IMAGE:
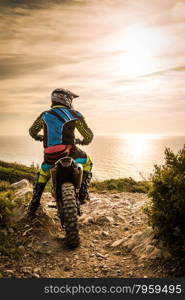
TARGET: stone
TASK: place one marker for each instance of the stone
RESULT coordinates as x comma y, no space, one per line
149,249
86,219
96,270
21,248
103,219
67,268
24,192
27,270
105,233
24,183
9,271
36,270
100,255
117,243
116,196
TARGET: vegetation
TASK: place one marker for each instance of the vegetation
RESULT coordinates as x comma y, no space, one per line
13,172
10,173
120,185
167,209
6,205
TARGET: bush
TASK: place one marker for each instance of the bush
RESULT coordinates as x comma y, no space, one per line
5,185
13,172
167,209
120,185
6,206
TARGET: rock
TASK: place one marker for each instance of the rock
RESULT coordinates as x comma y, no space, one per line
36,275
36,270
86,219
5,232
103,219
140,240
9,271
21,249
100,255
96,270
24,183
105,271
155,253
11,230
117,243
122,218
149,249
116,196
45,243
67,268
24,192
27,270
133,242
105,233
48,195
25,232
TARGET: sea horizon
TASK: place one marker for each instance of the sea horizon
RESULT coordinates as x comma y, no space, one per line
113,156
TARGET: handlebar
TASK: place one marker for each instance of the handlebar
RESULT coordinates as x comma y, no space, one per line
77,141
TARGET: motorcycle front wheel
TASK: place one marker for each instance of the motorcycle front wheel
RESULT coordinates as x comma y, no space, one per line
70,215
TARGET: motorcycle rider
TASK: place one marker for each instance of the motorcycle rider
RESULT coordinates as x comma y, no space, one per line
58,124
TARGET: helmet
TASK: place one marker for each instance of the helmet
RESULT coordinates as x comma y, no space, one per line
63,96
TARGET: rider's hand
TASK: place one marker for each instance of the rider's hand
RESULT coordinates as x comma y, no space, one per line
39,138
79,142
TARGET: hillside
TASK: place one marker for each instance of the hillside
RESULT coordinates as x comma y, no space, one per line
115,241
13,172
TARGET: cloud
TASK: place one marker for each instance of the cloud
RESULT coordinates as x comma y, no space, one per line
78,45
176,69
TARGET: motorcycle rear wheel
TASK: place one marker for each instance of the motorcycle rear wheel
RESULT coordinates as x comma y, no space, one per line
70,215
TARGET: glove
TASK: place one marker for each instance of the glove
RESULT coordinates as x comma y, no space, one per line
79,142
39,138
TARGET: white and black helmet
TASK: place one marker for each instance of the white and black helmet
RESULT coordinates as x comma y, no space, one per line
63,96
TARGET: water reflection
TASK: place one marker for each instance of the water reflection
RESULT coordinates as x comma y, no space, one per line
138,146
113,157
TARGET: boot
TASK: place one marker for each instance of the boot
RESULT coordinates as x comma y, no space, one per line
84,189
38,189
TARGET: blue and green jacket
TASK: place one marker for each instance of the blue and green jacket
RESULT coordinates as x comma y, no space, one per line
59,124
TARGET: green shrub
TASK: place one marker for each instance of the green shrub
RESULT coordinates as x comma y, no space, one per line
4,185
6,206
13,172
120,185
166,212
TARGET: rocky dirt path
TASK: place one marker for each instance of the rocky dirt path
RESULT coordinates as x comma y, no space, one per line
115,242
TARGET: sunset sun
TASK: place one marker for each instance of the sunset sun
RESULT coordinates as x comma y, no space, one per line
140,46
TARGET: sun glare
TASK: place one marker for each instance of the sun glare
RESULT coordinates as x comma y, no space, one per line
138,145
140,46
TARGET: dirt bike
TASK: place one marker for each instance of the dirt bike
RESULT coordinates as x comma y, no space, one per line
67,178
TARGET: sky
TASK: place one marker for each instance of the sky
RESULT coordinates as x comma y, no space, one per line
125,58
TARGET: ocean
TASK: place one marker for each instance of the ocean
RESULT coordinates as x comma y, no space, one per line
112,156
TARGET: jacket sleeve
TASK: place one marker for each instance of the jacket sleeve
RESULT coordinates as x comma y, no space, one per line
84,130
35,128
